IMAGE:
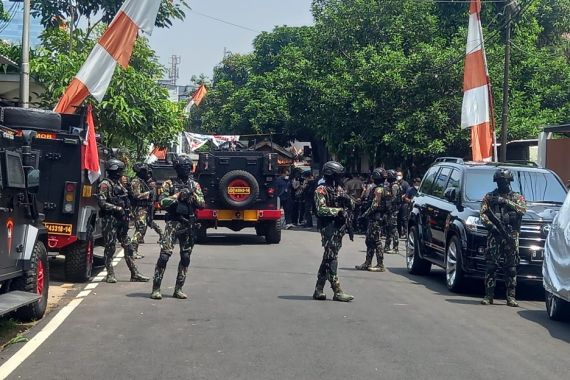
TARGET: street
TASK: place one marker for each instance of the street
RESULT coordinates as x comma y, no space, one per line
251,316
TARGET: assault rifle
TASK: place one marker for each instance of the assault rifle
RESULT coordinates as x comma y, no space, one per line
501,228
347,204
191,227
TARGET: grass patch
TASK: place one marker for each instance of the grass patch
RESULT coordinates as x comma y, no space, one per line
11,332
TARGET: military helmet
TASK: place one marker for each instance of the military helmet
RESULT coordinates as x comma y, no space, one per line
391,175
114,165
182,160
503,174
332,168
140,167
378,174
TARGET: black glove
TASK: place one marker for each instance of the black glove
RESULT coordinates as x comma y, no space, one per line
184,194
342,215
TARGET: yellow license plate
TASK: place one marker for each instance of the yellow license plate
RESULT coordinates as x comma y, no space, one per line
247,215
59,229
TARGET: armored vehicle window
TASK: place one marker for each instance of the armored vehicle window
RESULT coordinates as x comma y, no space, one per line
428,181
455,179
441,183
535,186
14,172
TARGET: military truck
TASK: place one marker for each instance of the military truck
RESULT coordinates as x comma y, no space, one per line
66,195
239,191
24,269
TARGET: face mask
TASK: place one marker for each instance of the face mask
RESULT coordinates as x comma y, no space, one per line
399,178
286,177
417,187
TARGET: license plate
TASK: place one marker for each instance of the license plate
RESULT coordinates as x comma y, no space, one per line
536,255
59,229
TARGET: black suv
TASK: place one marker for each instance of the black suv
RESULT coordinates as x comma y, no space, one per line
445,229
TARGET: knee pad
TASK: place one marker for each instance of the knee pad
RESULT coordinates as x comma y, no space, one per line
162,260
511,272
185,259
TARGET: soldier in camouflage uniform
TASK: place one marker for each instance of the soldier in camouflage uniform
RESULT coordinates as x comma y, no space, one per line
114,210
332,224
374,216
141,198
392,196
150,213
501,212
180,197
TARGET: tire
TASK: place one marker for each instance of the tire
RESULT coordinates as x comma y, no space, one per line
273,232
242,178
26,118
556,308
415,264
202,235
79,259
34,280
261,229
454,275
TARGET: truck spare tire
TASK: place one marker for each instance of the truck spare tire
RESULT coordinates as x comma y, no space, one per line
29,118
239,189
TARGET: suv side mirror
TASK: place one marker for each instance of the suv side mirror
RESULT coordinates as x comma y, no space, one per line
34,181
450,194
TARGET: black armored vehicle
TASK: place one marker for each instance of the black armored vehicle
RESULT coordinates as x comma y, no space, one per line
239,190
445,228
66,194
24,271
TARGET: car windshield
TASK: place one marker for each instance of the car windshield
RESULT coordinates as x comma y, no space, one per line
534,186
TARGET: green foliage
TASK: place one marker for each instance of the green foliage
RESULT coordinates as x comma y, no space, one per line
386,77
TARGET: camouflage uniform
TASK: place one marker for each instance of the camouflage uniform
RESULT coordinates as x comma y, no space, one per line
141,198
373,232
499,251
114,206
391,207
332,232
179,220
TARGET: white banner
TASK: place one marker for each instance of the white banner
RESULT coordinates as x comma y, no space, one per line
196,140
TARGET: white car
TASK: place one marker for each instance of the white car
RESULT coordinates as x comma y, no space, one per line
556,265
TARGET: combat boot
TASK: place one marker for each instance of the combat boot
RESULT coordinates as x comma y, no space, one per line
512,302
178,293
366,264
487,300
339,295
110,278
137,277
319,293
138,256
155,295
377,268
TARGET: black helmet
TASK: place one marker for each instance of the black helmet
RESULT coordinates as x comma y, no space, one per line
332,168
503,175
114,166
379,174
183,165
391,175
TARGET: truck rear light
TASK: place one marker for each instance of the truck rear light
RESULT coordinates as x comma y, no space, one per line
271,191
70,189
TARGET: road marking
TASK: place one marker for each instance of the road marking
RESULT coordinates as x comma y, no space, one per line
32,345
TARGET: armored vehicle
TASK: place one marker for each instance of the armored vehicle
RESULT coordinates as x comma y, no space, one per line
239,191
24,270
66,194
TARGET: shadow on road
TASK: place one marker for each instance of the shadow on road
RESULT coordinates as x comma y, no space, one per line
233,239
558,330
296,298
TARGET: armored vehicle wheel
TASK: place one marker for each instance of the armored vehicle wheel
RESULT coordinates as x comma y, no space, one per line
557,308
273,232
454,276
34,280
239,188
30,118
260,230
202,235
79,260
414,263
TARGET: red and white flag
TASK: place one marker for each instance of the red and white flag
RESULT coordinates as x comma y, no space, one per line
114,47
90,151
156,153
196,98
477,106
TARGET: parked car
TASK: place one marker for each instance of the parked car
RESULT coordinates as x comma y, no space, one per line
556,266
445,229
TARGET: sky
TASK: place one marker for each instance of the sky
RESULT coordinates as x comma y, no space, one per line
200,41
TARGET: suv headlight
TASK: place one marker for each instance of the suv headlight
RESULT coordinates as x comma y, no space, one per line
473,223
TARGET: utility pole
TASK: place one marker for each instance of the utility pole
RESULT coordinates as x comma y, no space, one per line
71,25
173,72
509,7
25,66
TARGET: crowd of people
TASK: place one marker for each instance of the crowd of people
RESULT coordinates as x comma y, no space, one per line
296,194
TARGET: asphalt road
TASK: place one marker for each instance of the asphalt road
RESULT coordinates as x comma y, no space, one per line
251,316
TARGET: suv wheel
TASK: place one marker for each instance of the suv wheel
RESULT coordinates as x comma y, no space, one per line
34,280
273,232
557,308
79,259
454,276
414,263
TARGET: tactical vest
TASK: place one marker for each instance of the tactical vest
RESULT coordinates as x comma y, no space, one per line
376,215
144,188
331,201
119,196
510,218
184,209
